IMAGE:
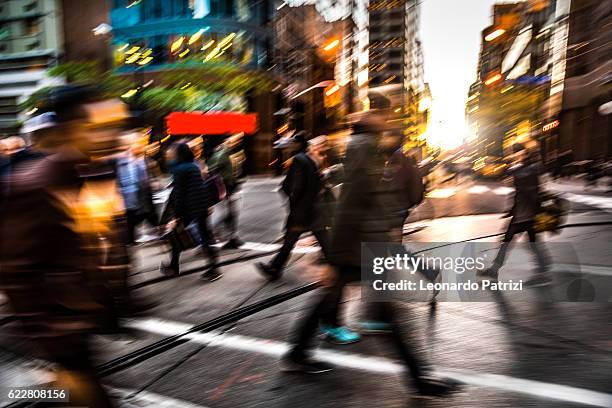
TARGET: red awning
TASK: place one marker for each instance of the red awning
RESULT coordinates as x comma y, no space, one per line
210,123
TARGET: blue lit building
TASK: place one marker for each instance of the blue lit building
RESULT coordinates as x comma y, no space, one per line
155,33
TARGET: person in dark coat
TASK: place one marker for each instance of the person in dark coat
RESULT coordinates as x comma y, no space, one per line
303,186
44,264
189,203
526,205
361,216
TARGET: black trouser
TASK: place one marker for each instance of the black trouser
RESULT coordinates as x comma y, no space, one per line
207,240
517,228
292,235
230,221
134,218
326,308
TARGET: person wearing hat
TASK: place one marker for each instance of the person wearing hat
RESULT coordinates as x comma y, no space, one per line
304,188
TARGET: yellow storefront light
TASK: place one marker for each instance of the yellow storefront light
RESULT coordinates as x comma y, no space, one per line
196,36
226,40
132,50
177,44
133,58
207,45
129,93
145,61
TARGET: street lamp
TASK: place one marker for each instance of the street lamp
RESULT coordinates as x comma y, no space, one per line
493,79
331,45
495,34
102,29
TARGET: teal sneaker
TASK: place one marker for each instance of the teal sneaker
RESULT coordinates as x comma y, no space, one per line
340,335
374,327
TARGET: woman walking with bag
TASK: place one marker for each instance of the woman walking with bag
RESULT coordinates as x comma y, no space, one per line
189,203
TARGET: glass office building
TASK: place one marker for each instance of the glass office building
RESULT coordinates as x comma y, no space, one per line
157,33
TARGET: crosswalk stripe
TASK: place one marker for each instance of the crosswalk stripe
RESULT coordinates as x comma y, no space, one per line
503,190
147,399
477,189
603,203
262,247
380,365
442,193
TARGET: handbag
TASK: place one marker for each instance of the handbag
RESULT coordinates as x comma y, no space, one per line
552,213
183,237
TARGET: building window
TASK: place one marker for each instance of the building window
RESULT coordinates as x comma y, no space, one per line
32,26
34,45
395,54
30,7
4,31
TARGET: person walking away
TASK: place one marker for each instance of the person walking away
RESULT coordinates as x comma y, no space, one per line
220,164
526,206
188,203
43,262
134,184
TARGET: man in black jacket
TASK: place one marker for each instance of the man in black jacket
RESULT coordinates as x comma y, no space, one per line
303,186
526,206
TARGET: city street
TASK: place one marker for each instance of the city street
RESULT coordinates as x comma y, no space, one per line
506,354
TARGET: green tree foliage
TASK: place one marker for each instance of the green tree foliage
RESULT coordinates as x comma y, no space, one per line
189,85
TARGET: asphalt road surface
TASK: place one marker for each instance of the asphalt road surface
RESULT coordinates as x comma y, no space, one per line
506,354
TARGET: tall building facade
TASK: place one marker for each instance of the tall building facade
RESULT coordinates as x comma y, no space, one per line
152,37
31,40
396,73
511,100
164,32
307,49
585,126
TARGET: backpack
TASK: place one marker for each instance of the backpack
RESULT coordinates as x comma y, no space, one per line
408,178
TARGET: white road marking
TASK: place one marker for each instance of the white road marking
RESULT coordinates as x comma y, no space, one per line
603,203
379,365
262,247
478,189
146,398
588,269
442,193
503,190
